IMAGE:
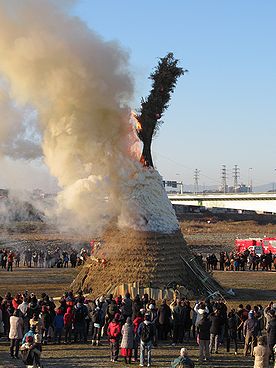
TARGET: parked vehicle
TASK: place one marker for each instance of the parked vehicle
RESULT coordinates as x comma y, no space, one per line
258,245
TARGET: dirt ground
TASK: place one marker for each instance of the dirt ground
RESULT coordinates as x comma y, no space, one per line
63,356
252,287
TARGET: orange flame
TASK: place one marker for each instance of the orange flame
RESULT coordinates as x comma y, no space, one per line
137,123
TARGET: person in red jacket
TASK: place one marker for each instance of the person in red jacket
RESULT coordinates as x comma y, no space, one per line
136,323
17,300
10,260
68,322
114,333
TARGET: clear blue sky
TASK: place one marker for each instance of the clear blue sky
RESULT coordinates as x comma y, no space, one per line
224,110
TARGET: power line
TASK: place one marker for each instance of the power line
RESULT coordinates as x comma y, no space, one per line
186,167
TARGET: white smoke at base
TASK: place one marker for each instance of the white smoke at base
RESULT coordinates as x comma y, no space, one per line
80,87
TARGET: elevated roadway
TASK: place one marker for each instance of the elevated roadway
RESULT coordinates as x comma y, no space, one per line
258,202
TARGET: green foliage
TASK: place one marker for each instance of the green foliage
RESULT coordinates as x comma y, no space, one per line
164,79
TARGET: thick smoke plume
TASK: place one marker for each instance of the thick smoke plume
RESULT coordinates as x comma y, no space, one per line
78,87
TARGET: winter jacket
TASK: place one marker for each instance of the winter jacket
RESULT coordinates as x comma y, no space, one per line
271,332
249,327
16,328
217,322
136,307
268,316
58,321
68,317
127,336
29,333
261,354
136,323
204,329
23,307
178,315
80,313
16,303
232,327
127,307
199,312
97,317
185,361
164,315
114,331
151,328
112,309
46,320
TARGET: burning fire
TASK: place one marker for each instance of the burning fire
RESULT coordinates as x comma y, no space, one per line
136,122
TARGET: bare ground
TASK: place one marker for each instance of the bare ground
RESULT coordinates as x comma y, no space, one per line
63,356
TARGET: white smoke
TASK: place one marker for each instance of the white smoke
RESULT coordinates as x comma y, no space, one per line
15,129
79,87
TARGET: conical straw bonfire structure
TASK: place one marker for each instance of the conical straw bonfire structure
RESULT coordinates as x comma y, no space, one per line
145,251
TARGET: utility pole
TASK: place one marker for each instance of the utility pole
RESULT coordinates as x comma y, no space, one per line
223,179
250,185
196,178
236,175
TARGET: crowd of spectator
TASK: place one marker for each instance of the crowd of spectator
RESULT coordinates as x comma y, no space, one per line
239,261
134,326
43,259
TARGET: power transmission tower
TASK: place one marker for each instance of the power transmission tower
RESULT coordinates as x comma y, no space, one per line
223,179
236,175
196,179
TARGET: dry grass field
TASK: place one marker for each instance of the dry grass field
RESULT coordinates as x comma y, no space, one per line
252,287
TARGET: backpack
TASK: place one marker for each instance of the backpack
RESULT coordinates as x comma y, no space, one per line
80,314
146,334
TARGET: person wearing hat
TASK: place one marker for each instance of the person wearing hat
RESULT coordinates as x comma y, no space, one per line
183,360
114,333
249,332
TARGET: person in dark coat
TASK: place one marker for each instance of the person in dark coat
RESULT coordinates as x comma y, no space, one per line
187,318
136,306
232,330
80,312
204,337
215,329
271,333
164,320
97,320
178,323
127,307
